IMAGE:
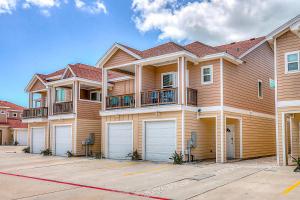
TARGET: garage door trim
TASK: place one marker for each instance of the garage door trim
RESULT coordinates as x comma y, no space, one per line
31,136
107,130
54,137
144,133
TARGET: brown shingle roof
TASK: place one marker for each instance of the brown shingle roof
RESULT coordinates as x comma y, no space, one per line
11,106
201,49
238,48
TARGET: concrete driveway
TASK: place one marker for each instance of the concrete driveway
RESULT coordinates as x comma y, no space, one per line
32,177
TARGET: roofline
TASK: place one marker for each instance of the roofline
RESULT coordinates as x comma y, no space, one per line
221,55
68,67
281,28
253,48
32,80
111,51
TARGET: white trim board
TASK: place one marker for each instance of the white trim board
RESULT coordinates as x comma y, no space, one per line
292,103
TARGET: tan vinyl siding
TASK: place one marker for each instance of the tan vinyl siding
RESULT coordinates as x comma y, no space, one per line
241,81
205,130
288,84
208,95
88,110
148,78
118,58
122,87
38,85
138,120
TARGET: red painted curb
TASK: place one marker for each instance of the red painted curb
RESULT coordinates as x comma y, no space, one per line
85,186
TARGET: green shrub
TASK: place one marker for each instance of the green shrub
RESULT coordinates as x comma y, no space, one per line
177,158
297,161
16,143
26,150
134,155
69,154
46,152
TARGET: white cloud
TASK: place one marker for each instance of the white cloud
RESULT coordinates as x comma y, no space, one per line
214,21
95,7
41,3
7,6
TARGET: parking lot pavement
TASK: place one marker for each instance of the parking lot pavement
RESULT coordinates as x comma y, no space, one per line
26,176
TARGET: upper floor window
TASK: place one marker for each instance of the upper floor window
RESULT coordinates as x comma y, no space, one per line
60,94
2,112
168,80
15,115
207,74
95,96
259,89
292,60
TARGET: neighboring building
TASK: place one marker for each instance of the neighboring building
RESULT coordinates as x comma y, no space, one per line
11,127
219,97
64,110
285,41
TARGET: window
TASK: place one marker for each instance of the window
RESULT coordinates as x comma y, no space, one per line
207,74
2,112
15,115
95,96
292,62
168,80
259,89
60,94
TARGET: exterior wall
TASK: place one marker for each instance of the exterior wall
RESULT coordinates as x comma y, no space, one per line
3,118
118,58
288,85
39,125
88,121
123,87
258,135
138,120
7,136
208,95
205,128
241,81
38,85
148,78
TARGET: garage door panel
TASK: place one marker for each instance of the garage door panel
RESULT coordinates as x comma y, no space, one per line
22,137
38,140
160,140
63,140
119,140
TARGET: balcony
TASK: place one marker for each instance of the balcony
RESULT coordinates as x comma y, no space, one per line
120,101
35,113
63,108
192,96
159,97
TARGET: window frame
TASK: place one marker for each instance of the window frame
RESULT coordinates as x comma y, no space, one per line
98,96
65,97
15,115
174,75
286,62
211,75
260,82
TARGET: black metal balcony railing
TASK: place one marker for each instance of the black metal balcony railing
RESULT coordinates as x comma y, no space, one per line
120,101
35,113
63,108
192,96
159,97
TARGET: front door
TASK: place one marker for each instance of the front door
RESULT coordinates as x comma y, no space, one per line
230,141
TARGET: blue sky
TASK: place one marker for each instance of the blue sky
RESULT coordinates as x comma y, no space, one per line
32,43
41,36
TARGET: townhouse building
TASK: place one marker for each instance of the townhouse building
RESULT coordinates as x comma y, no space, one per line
12,130
203,101
285,41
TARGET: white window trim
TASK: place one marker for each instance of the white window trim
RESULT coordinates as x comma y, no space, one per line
187,77
202,75
98,96
174,79
286,62
262,90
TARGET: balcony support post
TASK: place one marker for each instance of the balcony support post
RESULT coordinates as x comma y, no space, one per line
137,85
104,88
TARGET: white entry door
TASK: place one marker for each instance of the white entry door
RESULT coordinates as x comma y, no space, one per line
120,140
230,141
63,140
38,139
160,140
22,137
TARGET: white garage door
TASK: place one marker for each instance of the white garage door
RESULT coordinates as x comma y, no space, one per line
160,140
22,137
119,140
63,140
38,140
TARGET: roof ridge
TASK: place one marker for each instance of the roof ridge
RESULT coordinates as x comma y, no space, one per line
240,41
